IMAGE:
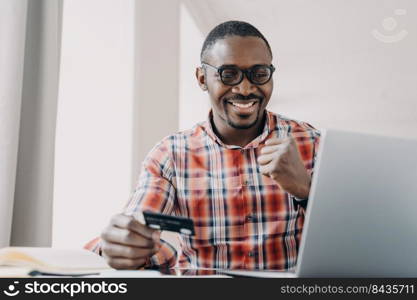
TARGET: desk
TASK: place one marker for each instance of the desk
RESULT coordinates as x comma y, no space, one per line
17,272
164,273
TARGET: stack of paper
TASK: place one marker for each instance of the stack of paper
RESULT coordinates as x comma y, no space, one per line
18,261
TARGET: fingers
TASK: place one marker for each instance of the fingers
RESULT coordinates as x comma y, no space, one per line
128,222
273,141
126,237
277,141
275,144
269,153
265,169
266,158
126,243
270,149
121,251
273,150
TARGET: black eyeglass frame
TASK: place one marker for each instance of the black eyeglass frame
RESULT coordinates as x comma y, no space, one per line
244,72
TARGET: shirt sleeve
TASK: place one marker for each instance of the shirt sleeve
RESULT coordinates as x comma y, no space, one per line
155,192
94,246
166,256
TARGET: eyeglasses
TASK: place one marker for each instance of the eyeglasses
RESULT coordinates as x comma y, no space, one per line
231,75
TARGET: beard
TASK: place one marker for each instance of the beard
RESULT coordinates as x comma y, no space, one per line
236,125
240,126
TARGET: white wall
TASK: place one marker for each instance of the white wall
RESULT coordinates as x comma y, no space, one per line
156,76
334,73
94,130
194,104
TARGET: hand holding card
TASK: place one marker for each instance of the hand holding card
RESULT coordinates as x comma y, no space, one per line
128,244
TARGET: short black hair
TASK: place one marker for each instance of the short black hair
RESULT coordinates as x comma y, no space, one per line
230,28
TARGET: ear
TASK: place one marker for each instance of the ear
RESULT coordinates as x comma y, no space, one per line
201,78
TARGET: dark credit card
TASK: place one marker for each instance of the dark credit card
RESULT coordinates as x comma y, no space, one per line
169,223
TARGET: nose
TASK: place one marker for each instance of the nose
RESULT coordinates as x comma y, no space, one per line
244,88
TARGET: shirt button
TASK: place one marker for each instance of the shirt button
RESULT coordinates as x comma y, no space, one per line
250,218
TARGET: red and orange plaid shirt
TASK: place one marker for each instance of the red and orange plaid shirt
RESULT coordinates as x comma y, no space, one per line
242,219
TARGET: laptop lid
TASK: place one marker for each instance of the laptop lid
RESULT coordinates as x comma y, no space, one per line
361,219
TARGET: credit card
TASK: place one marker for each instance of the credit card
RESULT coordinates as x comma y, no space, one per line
169,223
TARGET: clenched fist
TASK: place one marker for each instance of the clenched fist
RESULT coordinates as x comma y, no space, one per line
281,161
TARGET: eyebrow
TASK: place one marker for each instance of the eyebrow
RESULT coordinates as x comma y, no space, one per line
228,66
236,66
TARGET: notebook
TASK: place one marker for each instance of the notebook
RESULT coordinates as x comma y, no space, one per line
52,261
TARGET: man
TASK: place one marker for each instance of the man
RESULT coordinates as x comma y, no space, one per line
243,176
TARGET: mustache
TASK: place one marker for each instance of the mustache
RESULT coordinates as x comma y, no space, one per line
241,97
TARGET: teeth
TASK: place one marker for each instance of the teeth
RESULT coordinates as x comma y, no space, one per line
243,105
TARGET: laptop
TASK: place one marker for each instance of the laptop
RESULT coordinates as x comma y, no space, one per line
361,219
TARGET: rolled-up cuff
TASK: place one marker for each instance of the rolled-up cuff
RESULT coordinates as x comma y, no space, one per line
165,258
299,202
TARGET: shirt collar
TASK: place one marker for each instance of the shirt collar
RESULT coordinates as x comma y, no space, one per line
269,127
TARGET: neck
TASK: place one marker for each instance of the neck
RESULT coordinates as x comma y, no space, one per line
234,136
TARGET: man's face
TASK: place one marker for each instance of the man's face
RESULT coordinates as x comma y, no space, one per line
240,106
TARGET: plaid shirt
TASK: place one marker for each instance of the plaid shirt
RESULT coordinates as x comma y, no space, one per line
242,219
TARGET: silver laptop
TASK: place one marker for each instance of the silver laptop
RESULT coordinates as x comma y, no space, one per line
361,217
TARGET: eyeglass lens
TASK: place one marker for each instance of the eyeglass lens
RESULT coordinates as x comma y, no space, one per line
257,75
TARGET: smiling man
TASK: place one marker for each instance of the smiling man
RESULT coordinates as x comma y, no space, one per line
243,175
